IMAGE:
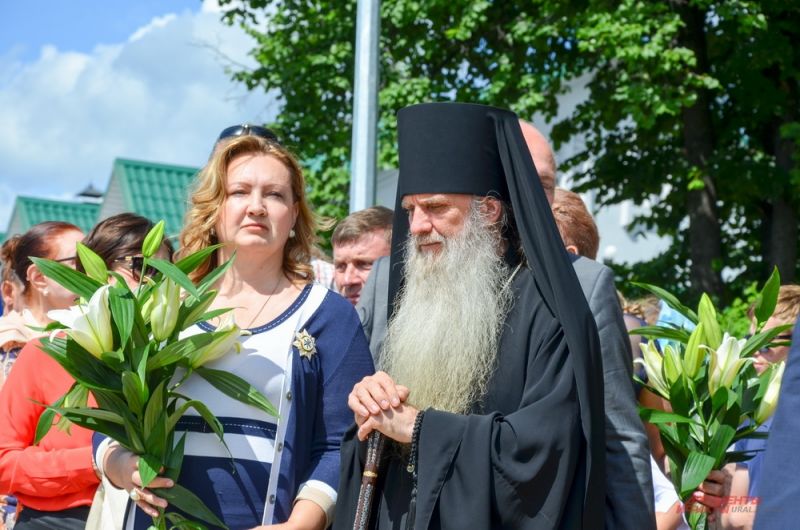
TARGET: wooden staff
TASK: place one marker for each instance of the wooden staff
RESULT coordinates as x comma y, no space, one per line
369,478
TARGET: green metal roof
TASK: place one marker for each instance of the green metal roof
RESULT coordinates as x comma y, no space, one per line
33,210
156,191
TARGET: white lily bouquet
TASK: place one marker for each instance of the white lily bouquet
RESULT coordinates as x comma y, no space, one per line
716,396
123,346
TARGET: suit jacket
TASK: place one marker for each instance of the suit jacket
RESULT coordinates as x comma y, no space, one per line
373,307
629,483
779,489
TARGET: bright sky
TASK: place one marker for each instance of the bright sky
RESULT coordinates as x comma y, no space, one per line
87,81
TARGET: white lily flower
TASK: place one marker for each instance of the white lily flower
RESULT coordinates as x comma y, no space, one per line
222,345
653,365
770,399
166,305
89,324
726,363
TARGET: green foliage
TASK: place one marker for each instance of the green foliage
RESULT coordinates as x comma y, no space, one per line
734,318
647,66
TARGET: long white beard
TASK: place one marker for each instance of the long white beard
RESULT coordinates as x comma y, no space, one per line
442,341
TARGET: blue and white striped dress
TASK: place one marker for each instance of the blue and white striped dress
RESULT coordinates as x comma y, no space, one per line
276,461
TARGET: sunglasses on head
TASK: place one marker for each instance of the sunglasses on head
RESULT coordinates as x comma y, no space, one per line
248,130
135,265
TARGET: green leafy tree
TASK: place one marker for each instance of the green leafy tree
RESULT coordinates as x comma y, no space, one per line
692,105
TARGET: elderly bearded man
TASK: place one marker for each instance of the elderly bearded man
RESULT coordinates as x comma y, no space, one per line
492,397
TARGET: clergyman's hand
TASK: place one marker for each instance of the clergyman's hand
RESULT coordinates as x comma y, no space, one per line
396,423
375,394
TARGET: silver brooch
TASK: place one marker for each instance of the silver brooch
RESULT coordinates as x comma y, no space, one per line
305,344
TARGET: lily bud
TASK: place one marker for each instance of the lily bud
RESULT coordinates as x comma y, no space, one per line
89,324
672,365
653,365
726,363
770,399
227,340
164,313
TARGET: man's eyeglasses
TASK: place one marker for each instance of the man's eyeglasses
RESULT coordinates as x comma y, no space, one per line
248,130
65,260
135,265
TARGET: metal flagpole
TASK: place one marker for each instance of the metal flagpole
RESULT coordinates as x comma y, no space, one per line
363,161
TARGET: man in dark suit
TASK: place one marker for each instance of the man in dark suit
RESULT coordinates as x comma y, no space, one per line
629,484
372,307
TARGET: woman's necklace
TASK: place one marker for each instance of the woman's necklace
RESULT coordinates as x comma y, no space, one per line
274,290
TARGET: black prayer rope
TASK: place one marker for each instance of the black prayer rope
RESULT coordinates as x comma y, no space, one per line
412,468
412,458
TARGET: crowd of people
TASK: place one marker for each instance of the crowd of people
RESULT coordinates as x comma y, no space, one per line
471,326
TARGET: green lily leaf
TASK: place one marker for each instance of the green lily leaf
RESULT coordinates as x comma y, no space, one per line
188,502
132,389
123,306
153,239
87,412
193,308
767,298
720,442
175,459
656,416
762,339
149,466
67,277
155,408
697,468
175,274
237,388
135,443
205,317
47,419
676,451
158,437
662,332
139,358
722,400
112,429
80,364
670,300
697,520
204,412
208,281
732,457
93,264
180,522
192,261
178,350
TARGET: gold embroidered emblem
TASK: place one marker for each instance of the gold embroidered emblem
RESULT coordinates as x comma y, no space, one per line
305,344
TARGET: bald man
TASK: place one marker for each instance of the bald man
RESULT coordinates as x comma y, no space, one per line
629,483
543,158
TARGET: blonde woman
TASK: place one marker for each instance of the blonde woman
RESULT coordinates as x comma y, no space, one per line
305,351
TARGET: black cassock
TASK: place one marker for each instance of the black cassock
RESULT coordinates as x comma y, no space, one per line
518,462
